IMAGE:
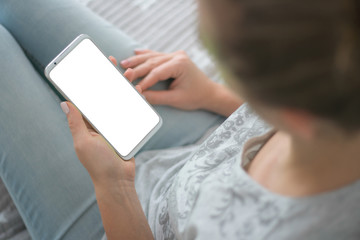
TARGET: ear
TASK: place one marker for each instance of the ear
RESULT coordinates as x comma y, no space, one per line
300,123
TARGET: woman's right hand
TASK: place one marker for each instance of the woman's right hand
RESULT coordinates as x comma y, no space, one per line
191,89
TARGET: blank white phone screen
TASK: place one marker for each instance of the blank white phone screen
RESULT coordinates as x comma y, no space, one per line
104,96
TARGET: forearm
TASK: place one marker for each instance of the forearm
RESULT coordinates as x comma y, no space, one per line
121,212
222,100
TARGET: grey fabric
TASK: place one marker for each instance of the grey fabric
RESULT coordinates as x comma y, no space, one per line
10,220
23,235
202,192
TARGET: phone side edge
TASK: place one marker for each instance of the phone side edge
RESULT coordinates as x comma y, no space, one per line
145,139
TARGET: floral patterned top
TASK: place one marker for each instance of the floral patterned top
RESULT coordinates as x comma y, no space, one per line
203,192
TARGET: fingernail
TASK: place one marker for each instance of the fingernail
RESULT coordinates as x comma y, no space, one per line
125,62
138,88
64,107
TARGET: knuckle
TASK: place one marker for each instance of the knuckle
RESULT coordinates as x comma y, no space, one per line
154,72
181,61
71,124
181,53
151,62
182,58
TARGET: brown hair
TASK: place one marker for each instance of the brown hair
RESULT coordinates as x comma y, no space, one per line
298,54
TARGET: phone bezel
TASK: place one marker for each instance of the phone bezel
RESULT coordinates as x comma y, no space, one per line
61,56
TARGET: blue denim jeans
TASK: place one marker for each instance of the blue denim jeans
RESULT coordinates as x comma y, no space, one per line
52,191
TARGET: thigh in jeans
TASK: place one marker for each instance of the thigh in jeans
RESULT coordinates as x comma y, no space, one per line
44,28
38,164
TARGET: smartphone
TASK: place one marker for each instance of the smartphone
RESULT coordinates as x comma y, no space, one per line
109,102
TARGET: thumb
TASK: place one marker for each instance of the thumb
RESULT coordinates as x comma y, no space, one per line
76,123
164,97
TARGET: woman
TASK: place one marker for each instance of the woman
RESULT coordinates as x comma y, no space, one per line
296,177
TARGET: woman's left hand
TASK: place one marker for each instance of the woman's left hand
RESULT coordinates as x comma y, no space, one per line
100,160
113,179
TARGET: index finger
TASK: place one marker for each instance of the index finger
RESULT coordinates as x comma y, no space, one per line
160,73
134,61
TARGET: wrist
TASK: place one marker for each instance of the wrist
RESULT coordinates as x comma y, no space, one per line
115,191
113,185
211,96
121,211
118,173
222,100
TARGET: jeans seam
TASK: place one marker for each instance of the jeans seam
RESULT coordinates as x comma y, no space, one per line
34,61
39,67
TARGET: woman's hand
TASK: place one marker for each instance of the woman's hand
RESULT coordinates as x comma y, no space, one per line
99,159
190,90
113,178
